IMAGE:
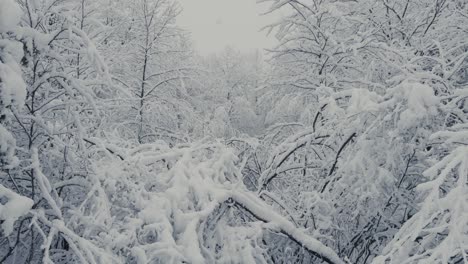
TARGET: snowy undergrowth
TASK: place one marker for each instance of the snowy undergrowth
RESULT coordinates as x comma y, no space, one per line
438,232
356,95
162,205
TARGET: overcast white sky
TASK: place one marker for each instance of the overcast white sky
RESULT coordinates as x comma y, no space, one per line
214,24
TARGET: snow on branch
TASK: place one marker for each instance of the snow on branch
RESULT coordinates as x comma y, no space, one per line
437,233
185,188
15,207
265,213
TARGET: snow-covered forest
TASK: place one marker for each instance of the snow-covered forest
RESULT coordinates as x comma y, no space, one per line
347,142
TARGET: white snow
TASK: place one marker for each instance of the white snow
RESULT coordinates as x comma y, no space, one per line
278,222
15,207
421,102
10,15
7,148
363,100
133,149
12,86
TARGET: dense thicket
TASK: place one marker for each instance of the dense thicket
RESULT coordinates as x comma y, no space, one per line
119,144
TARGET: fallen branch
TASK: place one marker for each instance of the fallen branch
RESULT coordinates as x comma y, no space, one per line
265,213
